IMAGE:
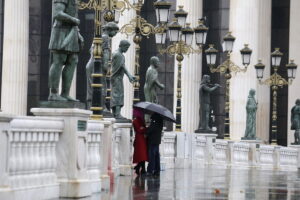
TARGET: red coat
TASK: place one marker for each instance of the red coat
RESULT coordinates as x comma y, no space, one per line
140,144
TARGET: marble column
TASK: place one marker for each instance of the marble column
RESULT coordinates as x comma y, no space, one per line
191,73
250,23
294,53
15,57
129,56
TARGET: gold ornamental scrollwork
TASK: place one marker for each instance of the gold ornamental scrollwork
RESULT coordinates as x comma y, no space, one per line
275,80
227,65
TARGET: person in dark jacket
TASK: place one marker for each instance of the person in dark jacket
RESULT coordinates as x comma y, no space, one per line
154,134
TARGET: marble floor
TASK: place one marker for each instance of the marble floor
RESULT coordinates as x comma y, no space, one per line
206,183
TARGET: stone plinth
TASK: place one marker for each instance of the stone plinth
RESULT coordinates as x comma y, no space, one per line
183,152
61,104
71,151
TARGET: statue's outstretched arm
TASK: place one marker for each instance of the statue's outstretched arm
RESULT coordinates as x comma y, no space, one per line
210,89
60,15
130,77
160,85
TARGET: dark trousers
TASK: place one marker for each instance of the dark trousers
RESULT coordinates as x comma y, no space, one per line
154,159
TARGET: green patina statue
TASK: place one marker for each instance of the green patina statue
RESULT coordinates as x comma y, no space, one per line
295,119
65,44
251,107
117,73
109,31
205,106
152,81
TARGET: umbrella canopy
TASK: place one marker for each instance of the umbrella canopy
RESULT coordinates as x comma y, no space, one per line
159,109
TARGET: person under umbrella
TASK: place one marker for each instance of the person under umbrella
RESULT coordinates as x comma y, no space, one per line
140,154
154,134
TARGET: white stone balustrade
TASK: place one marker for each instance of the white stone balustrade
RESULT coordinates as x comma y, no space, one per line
94,144
266,157
240,154
199,150
31,158
168,150
122,148
287,158
220,156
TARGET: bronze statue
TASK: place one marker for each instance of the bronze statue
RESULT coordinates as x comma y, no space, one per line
109,31
65,44
152,81
251,107
117,74
204,96
295,119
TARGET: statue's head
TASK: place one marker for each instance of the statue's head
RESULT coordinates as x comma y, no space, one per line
205,79
154,60
298,102
111,28
124,45
252,92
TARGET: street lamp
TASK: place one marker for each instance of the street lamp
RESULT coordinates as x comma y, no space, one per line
226,68
275,81
181,36
140,27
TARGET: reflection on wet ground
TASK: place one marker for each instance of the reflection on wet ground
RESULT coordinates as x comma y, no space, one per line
206,183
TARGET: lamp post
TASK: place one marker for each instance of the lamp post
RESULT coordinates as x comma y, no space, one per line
275,81
227,68
140,27
112,9
181,36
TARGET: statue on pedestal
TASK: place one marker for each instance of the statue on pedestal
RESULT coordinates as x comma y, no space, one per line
109,31
251,107
65,44
205,106
295,120
152,82
117,74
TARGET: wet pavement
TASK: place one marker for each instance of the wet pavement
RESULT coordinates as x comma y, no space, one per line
206,183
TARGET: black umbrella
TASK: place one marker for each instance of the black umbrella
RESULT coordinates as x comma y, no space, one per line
159,109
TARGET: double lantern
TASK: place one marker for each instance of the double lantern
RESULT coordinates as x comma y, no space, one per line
228,43
179,30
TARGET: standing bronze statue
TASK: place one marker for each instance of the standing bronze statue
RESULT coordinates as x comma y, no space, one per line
152,82
251,108
65,44
117,74
295,119
109,31
205,105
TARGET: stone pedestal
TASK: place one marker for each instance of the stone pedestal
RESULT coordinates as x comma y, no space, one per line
183,150
298,148
4,127
107,157
5,191
71,151
123,149
209,150
253,154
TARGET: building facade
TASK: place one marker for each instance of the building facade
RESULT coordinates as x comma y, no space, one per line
24,59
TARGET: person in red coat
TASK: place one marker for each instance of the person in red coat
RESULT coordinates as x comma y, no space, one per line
140,154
